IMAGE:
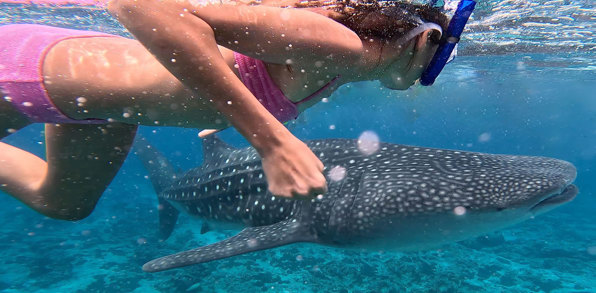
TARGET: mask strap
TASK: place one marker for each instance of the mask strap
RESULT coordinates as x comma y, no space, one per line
418,30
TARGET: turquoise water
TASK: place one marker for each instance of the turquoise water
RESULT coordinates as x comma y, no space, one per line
522,99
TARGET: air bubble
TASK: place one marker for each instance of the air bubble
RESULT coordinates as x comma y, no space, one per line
337,173
251,242
368,143
485,137
460,211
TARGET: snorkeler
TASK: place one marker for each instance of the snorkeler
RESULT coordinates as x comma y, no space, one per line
200,66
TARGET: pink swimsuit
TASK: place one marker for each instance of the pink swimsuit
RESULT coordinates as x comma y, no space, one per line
24,47
22,51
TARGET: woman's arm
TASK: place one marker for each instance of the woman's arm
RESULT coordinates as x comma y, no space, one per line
186,45
275,34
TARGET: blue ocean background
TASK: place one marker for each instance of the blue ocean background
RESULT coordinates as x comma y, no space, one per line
510,91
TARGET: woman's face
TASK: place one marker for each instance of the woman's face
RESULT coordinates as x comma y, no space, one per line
403,71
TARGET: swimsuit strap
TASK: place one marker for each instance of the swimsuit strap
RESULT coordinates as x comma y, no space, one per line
319,91
254,75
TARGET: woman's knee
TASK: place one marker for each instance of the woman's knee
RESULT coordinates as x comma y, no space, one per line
67,210
69,214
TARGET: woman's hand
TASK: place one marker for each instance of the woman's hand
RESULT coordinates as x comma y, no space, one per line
293,171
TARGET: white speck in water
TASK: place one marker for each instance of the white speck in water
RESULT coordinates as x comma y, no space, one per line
485,137
8,99
11,130
141,241
521,65
325,100
299,258
126,115
332,126
337,173
27,104
460,211
368,143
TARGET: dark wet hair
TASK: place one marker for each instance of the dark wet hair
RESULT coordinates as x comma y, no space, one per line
387,20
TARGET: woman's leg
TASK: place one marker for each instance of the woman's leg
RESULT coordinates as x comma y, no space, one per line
81,162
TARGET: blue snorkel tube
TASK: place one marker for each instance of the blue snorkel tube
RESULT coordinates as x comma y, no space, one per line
450,40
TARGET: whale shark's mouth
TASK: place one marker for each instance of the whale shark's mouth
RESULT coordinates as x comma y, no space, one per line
566,195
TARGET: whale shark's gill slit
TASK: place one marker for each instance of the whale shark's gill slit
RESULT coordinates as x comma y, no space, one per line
358,183
340,208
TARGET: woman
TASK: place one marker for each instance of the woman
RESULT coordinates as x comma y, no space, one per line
194,65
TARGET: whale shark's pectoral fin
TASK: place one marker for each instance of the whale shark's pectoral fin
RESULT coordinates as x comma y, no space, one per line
248,240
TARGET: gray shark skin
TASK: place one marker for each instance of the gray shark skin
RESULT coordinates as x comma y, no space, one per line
398,198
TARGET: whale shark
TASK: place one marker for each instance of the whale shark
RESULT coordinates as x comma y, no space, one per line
397,198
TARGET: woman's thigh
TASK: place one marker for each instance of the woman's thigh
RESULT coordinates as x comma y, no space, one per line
118,79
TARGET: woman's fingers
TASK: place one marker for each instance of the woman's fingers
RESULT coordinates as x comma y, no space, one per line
207,132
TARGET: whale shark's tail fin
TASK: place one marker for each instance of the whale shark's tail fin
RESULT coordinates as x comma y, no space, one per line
161,174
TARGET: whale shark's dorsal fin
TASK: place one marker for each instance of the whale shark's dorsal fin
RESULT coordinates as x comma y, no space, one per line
214,148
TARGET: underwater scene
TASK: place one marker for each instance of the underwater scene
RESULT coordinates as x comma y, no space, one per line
523,86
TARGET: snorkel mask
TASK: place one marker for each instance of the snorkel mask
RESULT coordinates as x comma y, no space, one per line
445,52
